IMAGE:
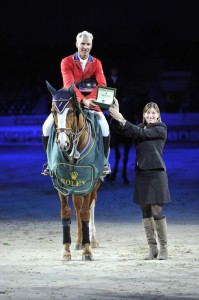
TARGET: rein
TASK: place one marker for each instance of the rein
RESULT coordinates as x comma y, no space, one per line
74,135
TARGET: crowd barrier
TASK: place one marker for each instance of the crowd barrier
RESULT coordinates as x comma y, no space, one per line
183,128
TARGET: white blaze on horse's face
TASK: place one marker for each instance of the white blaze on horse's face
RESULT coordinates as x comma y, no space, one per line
63,139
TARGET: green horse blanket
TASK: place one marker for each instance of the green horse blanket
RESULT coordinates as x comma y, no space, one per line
80,177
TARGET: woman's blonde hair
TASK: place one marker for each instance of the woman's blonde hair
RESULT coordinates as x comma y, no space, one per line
147,107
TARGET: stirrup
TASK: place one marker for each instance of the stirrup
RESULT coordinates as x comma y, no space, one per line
45,169
107,169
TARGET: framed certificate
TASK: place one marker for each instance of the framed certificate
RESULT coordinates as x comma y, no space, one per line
105,96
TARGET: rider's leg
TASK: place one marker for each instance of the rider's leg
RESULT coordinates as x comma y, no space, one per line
45,135
106,139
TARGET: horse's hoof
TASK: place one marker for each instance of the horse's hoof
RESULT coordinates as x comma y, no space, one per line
66,255
87,257
94,245
78,247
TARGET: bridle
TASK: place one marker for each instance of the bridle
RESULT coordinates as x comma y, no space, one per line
72,132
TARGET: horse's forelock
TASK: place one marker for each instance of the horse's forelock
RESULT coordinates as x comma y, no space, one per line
77,105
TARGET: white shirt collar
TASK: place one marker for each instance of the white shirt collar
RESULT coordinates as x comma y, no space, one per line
83,62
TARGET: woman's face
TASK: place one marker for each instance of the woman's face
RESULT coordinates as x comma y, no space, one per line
151,116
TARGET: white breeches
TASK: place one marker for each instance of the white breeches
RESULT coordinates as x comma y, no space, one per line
47,125
102,121
100,116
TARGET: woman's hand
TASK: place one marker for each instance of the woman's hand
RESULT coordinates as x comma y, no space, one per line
114,111
115,104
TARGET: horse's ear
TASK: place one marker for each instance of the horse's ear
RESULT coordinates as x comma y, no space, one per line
71,88
51,89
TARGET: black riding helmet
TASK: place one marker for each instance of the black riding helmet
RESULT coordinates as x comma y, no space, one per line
87,84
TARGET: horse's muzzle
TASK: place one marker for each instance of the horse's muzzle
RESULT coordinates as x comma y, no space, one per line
63,141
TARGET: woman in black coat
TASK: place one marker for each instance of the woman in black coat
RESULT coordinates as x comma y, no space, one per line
151,181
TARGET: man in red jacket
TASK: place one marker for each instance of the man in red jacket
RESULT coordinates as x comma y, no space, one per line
87,73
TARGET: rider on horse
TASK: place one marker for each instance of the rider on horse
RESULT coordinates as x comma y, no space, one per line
86,72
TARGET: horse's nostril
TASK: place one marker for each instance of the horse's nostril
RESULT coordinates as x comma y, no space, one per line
64,147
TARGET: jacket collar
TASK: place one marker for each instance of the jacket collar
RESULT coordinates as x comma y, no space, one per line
90,58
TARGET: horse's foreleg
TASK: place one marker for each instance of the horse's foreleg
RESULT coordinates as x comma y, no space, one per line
86,253
85,233
66,221
85,217
66,254
77,202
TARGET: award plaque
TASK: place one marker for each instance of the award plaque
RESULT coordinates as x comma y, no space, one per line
105,96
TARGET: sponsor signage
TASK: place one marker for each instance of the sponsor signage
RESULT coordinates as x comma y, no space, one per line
20,130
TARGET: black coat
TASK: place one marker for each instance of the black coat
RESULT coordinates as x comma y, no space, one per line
149,143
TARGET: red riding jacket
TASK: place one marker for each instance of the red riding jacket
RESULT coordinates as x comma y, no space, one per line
71,71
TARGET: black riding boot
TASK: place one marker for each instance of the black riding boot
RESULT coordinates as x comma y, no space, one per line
45,169
106,141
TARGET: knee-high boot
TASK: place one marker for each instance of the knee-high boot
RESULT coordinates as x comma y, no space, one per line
45,169
149,227
106,142
161,227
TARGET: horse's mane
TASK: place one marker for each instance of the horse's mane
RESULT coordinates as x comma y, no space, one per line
77,104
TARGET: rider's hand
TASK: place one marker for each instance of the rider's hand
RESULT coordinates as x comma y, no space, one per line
89,103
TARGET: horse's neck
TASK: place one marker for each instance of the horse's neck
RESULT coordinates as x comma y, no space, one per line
84,137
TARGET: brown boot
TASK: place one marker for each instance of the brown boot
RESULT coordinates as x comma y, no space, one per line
149,226
161,227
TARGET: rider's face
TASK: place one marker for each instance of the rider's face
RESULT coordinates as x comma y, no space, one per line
84,46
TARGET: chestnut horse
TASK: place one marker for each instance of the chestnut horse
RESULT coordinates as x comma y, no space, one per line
76,166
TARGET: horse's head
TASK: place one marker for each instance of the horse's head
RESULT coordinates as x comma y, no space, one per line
66,112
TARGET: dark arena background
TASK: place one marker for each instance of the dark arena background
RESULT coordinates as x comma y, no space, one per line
154,46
